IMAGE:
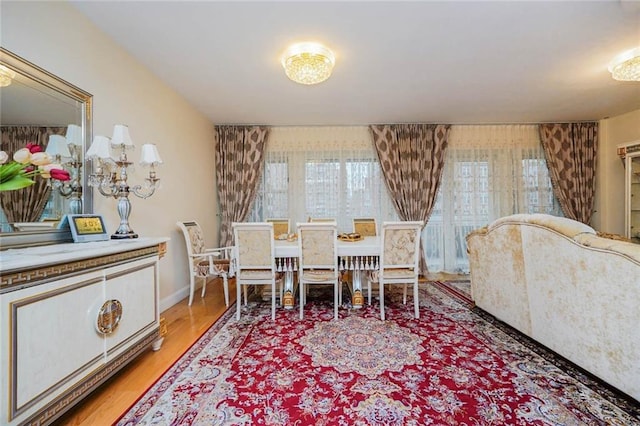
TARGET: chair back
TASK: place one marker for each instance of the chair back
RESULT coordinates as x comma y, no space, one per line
193,237
400,245
317,242
366,226
280,226
322,219
254,246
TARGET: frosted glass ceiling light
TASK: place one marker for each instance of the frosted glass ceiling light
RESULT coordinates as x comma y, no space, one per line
626,66
308,63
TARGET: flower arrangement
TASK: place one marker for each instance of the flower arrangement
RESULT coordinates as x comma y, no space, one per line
28,163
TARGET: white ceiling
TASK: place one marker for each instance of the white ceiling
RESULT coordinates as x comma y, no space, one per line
445,62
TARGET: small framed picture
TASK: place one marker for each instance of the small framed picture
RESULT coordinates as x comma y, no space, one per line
85,227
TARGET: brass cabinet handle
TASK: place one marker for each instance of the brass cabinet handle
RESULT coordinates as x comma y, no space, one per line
109,316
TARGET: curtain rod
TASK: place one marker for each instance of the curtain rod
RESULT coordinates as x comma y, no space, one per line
428,122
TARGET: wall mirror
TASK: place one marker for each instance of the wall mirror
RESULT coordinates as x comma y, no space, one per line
35,105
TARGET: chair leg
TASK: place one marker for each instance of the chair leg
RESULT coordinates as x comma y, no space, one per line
416,301
335,299
339,291
301,287
204,286
238,299
273,300
246,298
381,294
192,288
225,287
369,291
404,294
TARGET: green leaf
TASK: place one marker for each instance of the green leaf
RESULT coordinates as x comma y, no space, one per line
9,171
18,182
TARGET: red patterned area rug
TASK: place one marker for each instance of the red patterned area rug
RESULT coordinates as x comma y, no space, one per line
460,289
450,367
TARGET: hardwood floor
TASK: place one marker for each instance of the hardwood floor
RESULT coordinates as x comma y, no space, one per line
185,324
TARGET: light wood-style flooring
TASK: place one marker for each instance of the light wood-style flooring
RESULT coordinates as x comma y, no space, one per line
185,325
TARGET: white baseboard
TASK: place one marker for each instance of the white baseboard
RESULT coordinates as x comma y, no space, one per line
174,298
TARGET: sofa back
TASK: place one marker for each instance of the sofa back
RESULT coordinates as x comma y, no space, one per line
560,283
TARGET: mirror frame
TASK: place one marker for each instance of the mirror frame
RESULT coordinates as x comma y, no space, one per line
85,99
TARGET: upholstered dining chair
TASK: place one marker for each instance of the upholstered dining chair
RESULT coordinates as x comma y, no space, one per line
365,226
399,260
255,262
280,226
205,262
318,259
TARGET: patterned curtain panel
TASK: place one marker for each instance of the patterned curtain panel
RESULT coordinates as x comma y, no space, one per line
239,162
412,158
27,204
570,150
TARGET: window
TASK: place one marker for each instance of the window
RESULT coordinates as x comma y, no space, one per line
489,172
311,172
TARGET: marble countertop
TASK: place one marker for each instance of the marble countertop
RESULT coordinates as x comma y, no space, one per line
32,257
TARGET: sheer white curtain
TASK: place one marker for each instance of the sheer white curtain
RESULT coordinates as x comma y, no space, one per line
490,171
327,172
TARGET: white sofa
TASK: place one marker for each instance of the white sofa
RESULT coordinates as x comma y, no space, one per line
558,282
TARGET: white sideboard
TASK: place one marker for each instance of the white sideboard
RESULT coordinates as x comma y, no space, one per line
72,315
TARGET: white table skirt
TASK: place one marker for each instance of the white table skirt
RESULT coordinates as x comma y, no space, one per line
369,246
356,256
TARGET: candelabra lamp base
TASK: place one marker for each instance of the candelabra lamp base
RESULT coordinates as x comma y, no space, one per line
124,236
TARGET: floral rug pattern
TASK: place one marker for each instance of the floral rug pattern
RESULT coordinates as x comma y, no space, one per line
450,367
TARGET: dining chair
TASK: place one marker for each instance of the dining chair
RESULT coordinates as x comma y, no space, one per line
399,260
366,227
205,262
318,259
255,262
280,226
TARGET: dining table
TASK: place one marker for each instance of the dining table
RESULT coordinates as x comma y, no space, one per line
357,256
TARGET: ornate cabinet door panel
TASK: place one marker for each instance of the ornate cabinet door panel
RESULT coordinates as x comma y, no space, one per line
630,155
134,287
61,315
634,196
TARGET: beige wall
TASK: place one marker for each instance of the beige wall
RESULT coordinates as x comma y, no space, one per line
609,202
55,36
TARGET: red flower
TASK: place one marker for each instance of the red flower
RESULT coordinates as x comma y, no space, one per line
33,148
60,174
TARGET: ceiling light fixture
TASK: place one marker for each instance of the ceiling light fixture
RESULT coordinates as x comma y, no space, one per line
308,63
6,76
626,66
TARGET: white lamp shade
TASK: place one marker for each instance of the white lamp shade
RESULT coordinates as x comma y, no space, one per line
99,148
149,155
74,135
58,146
121,136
